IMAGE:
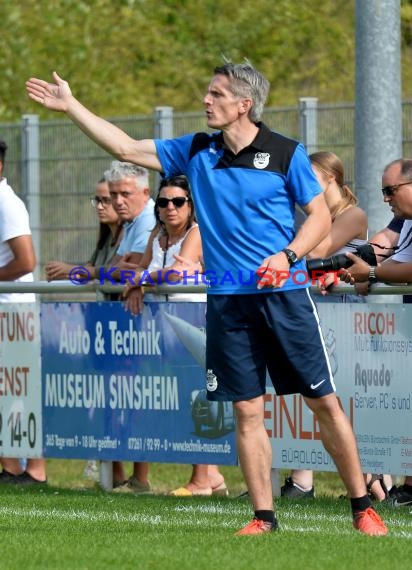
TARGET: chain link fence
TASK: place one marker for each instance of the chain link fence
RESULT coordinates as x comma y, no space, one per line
57,175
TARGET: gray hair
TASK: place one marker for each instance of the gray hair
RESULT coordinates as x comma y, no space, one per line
246,81
119,170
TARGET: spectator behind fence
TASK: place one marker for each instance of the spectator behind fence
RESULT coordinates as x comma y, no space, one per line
110,233
130,194
122,201
349,230
176,233
130,197
397,192
246,180
17,261
109,236
385,243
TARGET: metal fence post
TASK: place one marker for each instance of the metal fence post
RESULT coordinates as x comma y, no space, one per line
106,475
378,107
163,128
308,123
31,178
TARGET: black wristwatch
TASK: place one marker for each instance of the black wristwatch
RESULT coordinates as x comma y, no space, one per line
291,256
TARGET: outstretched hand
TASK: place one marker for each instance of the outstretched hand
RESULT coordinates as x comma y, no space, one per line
51,95
186,264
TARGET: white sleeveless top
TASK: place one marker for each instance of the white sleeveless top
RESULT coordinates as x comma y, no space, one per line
161,259
351,246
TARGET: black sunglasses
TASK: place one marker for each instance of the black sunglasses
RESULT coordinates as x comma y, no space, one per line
177,202
390,190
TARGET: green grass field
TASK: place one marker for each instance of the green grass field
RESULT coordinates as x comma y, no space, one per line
71,524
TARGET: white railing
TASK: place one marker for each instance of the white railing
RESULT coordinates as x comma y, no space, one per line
98,288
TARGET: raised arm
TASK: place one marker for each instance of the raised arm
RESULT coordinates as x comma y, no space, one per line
57,96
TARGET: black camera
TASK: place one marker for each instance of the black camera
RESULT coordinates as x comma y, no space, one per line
340,261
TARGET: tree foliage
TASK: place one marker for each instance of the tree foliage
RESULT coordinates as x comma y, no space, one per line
125,57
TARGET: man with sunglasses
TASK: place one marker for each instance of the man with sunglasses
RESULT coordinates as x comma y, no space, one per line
397,192
246,180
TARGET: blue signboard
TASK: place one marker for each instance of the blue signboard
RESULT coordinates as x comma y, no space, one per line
117,386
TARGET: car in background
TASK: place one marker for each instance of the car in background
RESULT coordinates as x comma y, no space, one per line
211,419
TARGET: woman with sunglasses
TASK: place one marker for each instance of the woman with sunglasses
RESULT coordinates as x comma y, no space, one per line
176,233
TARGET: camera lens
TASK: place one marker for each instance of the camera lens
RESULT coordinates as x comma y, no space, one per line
333,263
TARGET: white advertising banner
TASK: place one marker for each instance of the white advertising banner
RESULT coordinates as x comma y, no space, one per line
20,381
370,350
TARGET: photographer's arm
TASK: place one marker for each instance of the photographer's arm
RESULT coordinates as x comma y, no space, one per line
384,243
388,272
58,97
391,271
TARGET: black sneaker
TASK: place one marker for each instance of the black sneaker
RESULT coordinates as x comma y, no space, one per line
6,477
399,496
292,491
25,479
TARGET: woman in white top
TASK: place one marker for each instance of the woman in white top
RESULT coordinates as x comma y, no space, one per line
176,232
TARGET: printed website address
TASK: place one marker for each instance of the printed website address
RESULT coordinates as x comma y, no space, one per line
199,446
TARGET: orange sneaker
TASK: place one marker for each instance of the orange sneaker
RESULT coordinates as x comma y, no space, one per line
257,526
369,522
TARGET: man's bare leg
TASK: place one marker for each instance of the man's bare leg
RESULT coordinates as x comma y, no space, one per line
255,452
339,440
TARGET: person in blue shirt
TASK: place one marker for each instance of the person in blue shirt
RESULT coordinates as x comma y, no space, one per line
130,196
246,181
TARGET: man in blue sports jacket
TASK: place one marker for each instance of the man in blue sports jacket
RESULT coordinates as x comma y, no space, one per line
246,181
